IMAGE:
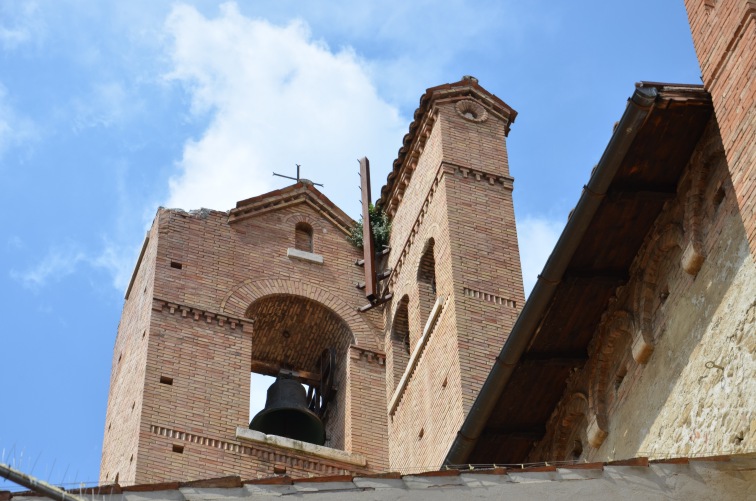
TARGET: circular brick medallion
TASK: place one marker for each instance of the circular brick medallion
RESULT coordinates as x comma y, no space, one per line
472,111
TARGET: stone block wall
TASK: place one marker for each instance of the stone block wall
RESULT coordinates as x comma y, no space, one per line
670,369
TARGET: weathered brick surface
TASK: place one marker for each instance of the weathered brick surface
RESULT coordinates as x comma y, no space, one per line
122,420
452,212
225,295
724,35
220,294
694,394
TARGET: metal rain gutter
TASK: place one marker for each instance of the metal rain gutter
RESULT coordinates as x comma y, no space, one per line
638,109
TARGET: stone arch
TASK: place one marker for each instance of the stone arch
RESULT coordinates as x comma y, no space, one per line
237,301
620,323
663,242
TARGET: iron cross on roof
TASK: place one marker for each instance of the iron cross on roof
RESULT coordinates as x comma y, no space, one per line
297,179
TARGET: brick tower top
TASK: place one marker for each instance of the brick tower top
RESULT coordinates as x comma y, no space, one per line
474,103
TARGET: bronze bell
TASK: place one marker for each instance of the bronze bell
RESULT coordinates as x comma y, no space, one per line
286,414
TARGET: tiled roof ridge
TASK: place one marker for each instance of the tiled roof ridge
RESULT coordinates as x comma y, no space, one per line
550,471
285,196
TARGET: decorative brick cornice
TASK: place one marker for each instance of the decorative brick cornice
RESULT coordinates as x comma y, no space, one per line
443,169
372,357
201,314
269,454
491,298
419,130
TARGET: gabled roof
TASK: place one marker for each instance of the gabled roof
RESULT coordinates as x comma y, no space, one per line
638,172
468,87
302,191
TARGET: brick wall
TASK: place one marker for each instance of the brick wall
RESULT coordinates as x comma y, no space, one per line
724,35
122,420
454,246
225,295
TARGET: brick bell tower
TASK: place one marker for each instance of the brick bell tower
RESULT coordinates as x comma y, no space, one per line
456,280
267,287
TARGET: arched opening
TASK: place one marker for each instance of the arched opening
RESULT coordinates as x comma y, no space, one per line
400,342
303,237
291,334
426,282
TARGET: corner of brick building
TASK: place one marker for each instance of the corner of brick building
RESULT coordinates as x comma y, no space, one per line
198,316
724,36
456,282
213,293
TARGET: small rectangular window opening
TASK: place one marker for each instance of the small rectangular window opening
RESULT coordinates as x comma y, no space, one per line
177,265
166,380
178,448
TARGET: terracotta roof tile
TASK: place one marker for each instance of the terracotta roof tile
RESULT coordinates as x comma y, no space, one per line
161,486
220,482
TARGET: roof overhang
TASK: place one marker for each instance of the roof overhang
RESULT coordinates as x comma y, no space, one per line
638,172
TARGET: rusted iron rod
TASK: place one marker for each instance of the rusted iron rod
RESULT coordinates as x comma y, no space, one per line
35,484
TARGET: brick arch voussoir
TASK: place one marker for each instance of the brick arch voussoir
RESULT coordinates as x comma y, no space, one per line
702,164
618,324
574,409
666,240
301,217
237,301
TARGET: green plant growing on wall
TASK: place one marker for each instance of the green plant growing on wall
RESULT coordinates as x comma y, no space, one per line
379,223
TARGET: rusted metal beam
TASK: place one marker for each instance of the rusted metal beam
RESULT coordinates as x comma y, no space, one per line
368,245
35,484
376,302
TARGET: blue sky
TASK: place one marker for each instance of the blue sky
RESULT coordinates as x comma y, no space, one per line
111,109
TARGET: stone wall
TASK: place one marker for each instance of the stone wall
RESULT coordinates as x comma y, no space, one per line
670,369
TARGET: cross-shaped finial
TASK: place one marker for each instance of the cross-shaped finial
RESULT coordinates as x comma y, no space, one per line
297,179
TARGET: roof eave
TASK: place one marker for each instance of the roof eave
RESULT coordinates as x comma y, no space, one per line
639,106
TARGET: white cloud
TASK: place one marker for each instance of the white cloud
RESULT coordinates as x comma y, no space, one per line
106,104
64,260
57,264
20,23
537,237
118,260
15,129
276,97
